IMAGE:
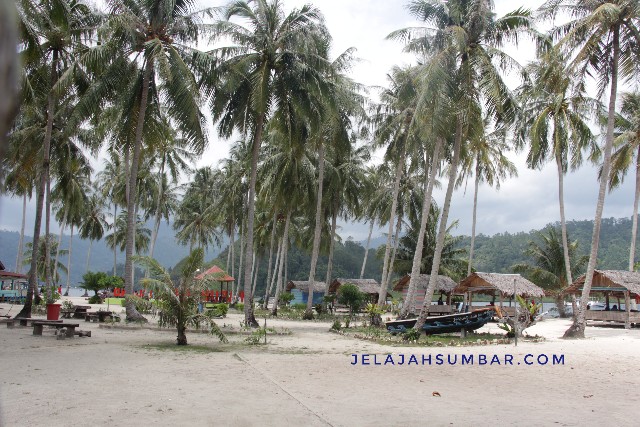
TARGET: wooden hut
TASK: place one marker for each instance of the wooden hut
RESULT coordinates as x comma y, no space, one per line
613,284
444,285
500,285
300,291
217,274
366,286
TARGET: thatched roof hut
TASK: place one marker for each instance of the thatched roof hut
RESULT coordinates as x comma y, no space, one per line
215,273
444,284
367,286
609,281
303,286
489,283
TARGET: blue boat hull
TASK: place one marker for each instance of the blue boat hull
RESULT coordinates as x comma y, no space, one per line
469,321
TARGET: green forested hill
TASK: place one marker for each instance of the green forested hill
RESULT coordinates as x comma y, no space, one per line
493,253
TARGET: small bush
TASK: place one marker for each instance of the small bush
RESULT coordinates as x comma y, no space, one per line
411,335
299,306
95,299
218,310
286,298
337,325
240,306
144,306
68,305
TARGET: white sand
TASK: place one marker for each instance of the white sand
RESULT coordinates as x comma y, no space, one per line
114,379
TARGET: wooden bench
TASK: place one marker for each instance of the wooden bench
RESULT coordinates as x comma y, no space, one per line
101,316
23,321
70,328
440,310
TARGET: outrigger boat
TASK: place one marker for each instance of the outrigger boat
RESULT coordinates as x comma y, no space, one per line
469,321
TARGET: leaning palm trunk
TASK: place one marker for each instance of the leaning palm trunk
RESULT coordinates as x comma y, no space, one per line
409,304
331,249
563,224
392,214
62,227
44,178
577,328
21,241
272,282
634,219
474,217
270,265
66,294
256,264
316,233
115,246
47,226
281,268
366,249
86,268
392,260
236,285
249,318
158,218
442,230
132,312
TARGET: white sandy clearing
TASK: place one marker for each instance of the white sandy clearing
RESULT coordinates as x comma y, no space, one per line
135,377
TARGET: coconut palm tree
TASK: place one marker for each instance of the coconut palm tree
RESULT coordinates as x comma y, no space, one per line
9,69
144,61
275,64
487,161
94,222
547,269
54,267
627,145
463,40
601,38
178,299
56,30
118,236
554,123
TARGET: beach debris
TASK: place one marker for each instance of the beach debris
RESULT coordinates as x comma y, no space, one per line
436,394
587,396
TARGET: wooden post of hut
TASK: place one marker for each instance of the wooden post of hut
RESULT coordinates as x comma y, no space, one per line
627,308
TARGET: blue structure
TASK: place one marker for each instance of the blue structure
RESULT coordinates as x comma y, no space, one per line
300,291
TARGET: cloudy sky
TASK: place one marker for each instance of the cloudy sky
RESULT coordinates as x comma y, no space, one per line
524,203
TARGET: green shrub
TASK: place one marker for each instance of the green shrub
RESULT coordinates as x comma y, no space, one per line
68,305
240,306
95,299
336,325
144,306
351,296
411,335
286,298
299,306
218,310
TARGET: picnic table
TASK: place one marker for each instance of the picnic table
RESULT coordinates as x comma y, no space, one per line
77,312
70,328
100,316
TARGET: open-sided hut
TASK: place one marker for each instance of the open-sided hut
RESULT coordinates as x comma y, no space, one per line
444,285
13,286
217,274
613,284
496,284
367,286
300,291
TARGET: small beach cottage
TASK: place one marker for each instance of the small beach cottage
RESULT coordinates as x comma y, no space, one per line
500,285
444,285
619,284
300,291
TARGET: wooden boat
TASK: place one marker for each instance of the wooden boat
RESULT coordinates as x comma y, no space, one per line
469,321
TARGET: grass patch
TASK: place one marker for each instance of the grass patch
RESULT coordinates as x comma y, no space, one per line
200,349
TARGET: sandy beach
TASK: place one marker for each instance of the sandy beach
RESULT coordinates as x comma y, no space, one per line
135,377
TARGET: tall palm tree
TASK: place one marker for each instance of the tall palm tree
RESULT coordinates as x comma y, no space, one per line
627,145
94,222
145,60
602,39
464,40
54,267
275,65
9,69
57,29
487,161
555,118
547,269
118,236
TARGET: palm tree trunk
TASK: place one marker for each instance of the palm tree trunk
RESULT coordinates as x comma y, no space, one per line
392,261
62,227
88,255
156,224
332,243
394,205
21,241
269,266
44,178
236,286
281,268
228,254
233,254
66,294
409,304
366,250
48,274
272,279
577,329
255,275
473,222
634,220
115,246
563,224
249,318
316,233
442,231
132,313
